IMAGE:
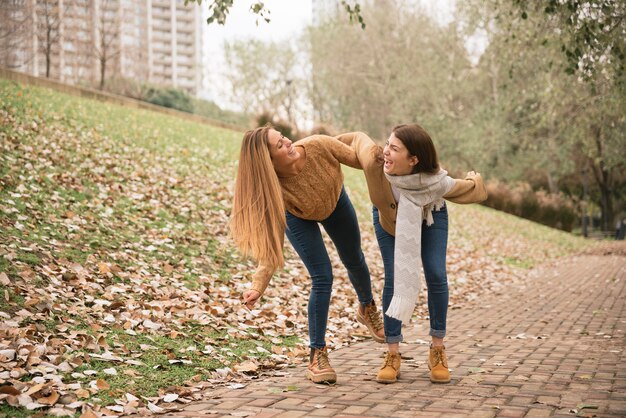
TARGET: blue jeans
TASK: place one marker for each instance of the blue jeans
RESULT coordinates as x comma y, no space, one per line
305,236
434,246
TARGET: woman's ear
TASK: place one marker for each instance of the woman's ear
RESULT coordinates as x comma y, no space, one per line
414,161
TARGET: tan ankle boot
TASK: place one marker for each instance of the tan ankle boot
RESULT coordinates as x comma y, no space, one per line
369,316
390,370
319,370
438,365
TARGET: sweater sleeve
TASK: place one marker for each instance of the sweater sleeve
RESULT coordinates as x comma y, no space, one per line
469,190
264,272
262,276
365,148
341,151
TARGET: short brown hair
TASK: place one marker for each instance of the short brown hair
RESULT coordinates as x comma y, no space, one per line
418,143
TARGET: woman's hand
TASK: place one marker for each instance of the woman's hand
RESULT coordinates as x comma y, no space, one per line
250,297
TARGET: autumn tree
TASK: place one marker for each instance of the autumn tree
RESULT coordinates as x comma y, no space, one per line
542,117
107,39
592,32
264,78
15,31
219,9
404,67
48,27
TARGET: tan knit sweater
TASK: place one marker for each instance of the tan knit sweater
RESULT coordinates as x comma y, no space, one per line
468,190
313,193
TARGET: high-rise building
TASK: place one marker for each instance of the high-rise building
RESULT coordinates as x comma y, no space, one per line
79,41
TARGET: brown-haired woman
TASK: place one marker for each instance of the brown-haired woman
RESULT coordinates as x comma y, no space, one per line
289,188
407,188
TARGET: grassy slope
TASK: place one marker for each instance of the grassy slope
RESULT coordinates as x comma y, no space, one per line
128,195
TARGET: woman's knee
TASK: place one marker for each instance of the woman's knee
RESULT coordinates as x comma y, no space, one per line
437,282
322,282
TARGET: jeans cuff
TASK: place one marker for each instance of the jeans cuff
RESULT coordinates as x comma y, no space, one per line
439,333
394,339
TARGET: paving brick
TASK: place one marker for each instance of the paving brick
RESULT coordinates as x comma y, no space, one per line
355,409
265,414
326,412
291,414
538,413
262,402
537,377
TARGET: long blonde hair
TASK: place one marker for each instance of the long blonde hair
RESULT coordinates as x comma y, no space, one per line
258,216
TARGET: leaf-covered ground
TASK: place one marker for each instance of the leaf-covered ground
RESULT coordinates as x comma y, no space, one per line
120,288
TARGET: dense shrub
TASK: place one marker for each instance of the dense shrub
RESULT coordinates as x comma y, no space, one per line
280,125
125,87
169,97
551,209
211,110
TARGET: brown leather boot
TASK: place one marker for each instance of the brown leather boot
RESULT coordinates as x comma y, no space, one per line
369,316
319,370
390,370
438,365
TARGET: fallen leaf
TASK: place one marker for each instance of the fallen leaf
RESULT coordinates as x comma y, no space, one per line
9,390
60,412
131,398
88,413
156,409
4,279
102,384
35,389
586,406
247,366
83,393
50,399
170,397
104,268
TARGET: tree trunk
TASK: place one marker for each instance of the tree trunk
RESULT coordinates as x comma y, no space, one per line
603,178
607,208
103,67
48,51
48,63
552,185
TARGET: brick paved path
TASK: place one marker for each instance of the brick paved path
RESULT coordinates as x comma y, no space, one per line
552,346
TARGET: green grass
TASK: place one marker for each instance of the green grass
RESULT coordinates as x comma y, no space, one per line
157,371
17,300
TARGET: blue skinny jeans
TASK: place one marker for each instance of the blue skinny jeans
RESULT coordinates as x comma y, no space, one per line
434,246
305,236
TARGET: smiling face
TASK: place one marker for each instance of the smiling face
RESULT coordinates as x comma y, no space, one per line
281,149
398,160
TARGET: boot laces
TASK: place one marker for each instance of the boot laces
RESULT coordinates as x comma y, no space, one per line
374,317
439,357
322,360
389,360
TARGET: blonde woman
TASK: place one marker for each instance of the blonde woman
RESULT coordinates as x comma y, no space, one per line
407,187
289,188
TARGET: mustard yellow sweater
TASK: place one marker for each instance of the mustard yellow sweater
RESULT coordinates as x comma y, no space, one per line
468,190
313,193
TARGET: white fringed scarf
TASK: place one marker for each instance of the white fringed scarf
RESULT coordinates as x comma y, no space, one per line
420,194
